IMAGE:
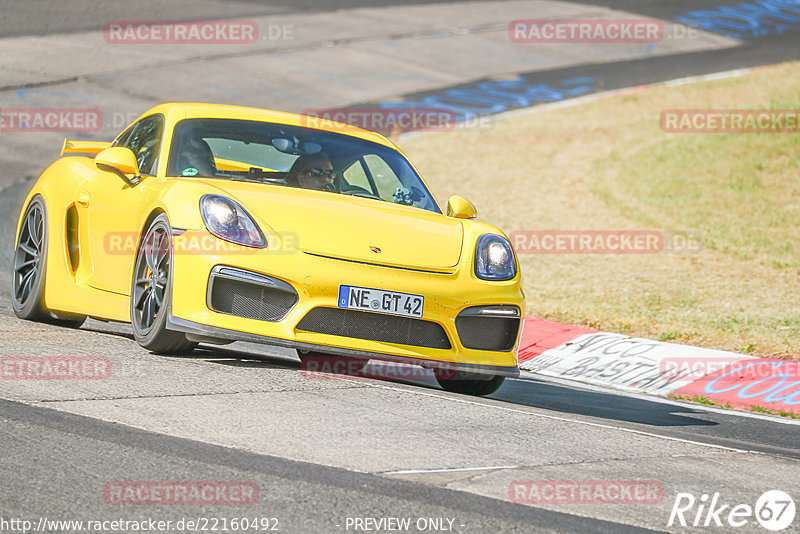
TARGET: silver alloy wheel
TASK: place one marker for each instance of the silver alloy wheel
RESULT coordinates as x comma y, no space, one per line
151,276
27,257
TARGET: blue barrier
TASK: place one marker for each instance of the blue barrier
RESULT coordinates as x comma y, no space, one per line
747,20
487,98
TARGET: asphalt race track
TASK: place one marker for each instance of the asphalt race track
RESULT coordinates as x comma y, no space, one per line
329,452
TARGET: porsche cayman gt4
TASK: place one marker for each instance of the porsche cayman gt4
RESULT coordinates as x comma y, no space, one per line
207,223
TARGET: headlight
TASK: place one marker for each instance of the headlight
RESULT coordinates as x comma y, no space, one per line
227,220
494,258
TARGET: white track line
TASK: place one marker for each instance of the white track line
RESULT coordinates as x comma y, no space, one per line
413,390
451,470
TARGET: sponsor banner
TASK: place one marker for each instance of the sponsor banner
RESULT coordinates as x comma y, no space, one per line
539,335
750,383
628,363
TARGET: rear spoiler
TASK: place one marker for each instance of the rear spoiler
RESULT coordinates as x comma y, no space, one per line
83,148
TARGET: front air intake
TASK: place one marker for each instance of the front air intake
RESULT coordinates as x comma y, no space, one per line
250,295
375,327
489,327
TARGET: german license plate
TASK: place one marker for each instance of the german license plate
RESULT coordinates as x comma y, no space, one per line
378,300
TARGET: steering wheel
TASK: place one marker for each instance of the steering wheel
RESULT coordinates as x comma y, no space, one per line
357,191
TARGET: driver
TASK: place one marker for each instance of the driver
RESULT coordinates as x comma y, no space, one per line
312,171
196,157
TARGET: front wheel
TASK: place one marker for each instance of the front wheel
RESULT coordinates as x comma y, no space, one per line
468,383
151,292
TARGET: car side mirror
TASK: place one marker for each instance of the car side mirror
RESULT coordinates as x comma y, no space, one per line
461,208
120,161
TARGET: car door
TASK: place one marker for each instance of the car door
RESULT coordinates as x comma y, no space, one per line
111,207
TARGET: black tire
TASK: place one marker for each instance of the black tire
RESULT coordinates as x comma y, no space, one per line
328,363
468,383
151,292
30,269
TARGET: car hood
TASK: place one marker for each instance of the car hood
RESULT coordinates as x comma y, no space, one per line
353,228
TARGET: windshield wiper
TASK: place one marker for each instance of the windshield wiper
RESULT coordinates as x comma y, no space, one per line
259,177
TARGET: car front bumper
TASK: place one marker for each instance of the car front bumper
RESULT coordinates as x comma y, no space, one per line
316,281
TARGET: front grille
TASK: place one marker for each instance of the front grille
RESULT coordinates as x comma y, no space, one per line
375,327
250,300
484,332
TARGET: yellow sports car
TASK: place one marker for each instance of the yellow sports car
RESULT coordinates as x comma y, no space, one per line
209,223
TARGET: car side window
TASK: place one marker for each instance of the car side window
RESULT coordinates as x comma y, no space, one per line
120,141
144,140
355,176
386,180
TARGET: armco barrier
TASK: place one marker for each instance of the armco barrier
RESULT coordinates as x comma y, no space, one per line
634,364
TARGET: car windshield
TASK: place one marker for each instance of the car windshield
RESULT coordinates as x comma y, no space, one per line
294,156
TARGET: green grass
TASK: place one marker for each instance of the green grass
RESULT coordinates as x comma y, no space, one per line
699,399
669,336
782,413
757,409
739,192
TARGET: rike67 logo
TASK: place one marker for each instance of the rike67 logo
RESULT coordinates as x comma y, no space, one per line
774,510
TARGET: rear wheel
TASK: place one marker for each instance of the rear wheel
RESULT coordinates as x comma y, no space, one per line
30,264
328,363
468,383
151,292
